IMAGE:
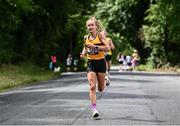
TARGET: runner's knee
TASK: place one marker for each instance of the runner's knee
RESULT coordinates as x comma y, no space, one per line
92,86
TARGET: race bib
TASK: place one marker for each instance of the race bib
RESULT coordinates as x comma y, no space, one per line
93,51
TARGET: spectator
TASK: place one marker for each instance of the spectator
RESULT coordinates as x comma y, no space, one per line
128,61
121,59
54,61
75,63
69,62
135,59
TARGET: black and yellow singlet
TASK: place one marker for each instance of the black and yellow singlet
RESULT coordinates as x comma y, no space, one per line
94,54
109,52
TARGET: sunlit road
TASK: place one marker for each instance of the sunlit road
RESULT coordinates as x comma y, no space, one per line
131,99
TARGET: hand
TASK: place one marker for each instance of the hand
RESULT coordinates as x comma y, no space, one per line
90,46
82,56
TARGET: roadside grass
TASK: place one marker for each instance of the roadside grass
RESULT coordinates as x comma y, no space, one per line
175,69
144,68
18,75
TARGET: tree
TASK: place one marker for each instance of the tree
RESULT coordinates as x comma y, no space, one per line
145,26
161,32
32,30
124,19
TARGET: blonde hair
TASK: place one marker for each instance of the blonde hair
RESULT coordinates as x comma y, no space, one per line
97,23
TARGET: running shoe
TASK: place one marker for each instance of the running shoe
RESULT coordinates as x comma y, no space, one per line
95,114
109,75
107,81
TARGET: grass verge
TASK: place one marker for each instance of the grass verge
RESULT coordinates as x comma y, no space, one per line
175,69
18,75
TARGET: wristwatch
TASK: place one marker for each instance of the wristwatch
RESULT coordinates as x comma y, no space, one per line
97,47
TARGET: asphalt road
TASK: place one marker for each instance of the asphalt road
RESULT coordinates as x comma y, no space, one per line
133,98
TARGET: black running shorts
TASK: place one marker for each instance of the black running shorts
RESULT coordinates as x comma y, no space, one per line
108,57
97,66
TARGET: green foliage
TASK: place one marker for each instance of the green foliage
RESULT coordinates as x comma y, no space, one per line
150,26
124,18
159,33
12,12
31,30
